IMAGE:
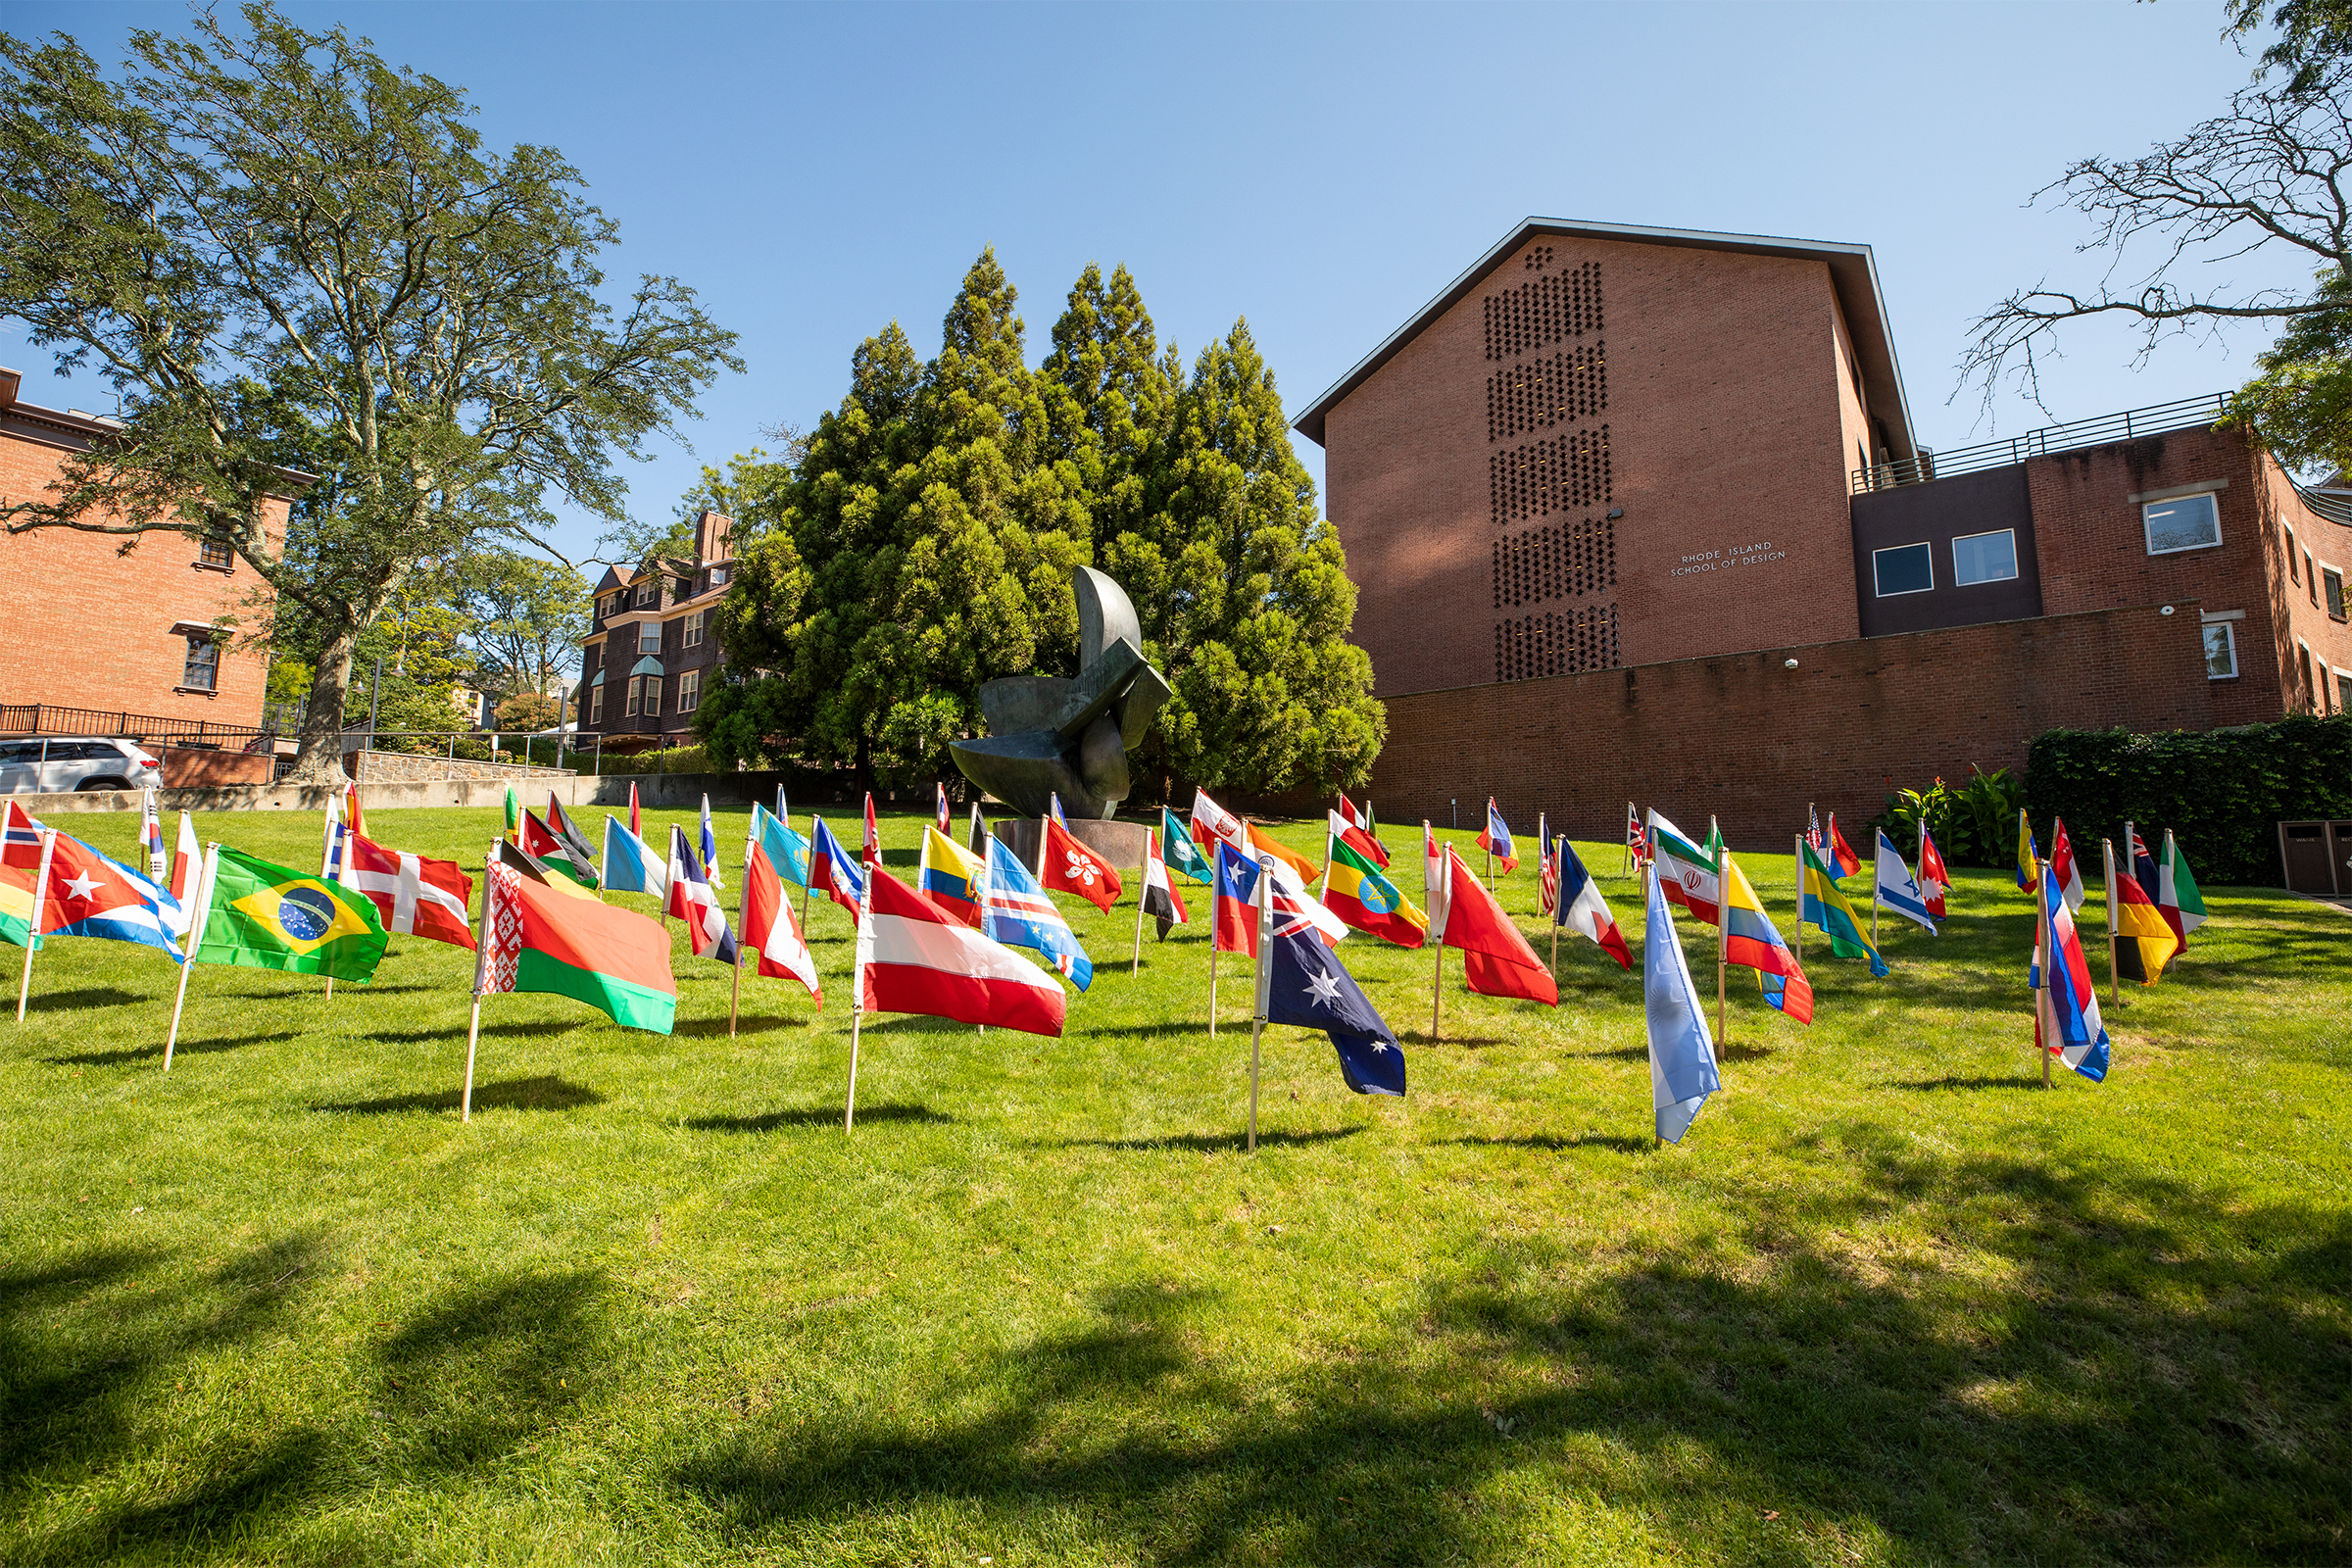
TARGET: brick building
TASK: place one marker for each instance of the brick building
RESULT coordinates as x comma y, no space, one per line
108,623
1639,511
650,655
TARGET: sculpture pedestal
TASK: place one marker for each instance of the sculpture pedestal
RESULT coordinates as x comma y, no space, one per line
1119,843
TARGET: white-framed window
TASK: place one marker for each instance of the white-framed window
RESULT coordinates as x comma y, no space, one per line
2331,586
692,636
216,555
629,708
690,691
645,593
2182,523
2221,650
649,637
596,704
2343,691
718,576
200,671
1984,558
653,694
2295,556
1903,570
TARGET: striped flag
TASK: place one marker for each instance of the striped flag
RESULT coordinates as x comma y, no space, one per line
1020,915
692,901
772,932
151,837
1547,875
1634,839
912,958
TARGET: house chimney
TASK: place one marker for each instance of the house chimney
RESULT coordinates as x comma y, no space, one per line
713,536
10,381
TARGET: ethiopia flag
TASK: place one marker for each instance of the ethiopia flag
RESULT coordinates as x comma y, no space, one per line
268,917
1366,899
614,959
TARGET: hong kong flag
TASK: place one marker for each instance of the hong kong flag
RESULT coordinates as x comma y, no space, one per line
1072,867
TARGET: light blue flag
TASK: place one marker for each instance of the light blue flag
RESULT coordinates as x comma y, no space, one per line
630,863
1681,1054
1020,915
1899,889
784,850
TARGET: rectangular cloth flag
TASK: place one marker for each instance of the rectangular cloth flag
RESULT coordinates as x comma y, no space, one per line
2062,861
636,823
514,814
1362,821
1496,961
692,900
1053,808
1548,869
771,932
2028,854
330,854
1751,941
351,818
553,851
1020,915
943,807
187,861
1682,1052
1212,822
1933,880
1362,897
1071,867
1181,850
2143,943
1897,889
1308,987
574,843
2141,864
19,838
949,876
873,833
412,896
912,959
2082,1042
1824,906
1685,871
2176,894
540,870
784,848
151,837
92,895
1635,842
16,907
630,863
1584,910
544,940
831,868
1262,843
1839,853
1234,927
709,848
1496,839
1161,902
266,916
1433,881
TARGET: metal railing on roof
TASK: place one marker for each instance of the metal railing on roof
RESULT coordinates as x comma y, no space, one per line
2186,415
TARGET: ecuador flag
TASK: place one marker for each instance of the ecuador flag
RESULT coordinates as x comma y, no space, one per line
1366,899
614,959
266,916
951,875
2143,943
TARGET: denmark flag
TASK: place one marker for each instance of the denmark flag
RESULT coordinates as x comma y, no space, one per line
417,897
912,958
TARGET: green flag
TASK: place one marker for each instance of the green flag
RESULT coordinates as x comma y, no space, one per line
268,917
513,813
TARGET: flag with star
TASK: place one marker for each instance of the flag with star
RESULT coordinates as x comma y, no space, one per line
270,917
1307,986
92,895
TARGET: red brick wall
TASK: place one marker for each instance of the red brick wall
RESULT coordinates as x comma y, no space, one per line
1743,738
90,625
1725,429
186,768
2299,610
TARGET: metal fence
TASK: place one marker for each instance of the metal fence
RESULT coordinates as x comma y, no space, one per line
52,719
2186,415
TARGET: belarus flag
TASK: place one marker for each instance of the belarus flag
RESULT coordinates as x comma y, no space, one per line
912,958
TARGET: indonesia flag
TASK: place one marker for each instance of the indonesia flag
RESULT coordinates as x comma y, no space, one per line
912,959
771,932
2062,863
1933,880
416,895
1213,824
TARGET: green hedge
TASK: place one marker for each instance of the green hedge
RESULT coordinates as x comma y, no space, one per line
2223,793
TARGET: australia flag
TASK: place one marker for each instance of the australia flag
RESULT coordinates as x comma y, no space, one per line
1308,987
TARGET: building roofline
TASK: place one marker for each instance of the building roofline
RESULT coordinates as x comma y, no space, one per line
1852,272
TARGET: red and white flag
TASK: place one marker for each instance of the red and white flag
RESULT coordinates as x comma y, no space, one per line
1548,866
2063,867
692,901
1435,891
1071,867
636,827
1161,902
416,895
1355,819
943,807
186,861
1211,822
1634,839
874,834
1933,880
772,932
913,958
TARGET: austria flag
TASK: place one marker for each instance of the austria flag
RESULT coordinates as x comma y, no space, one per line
417,897
913,959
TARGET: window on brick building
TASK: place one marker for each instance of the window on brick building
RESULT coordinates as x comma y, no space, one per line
2311,579
1903,570
2294,558
629,706
2343,690
2334,581
718,576
690,691
2182,523
648,636
201,670
690,634
2306,689
653,694
596,704
2221,650
645,593
213,553
1984,558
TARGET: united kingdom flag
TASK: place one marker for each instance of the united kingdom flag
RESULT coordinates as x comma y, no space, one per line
1637,841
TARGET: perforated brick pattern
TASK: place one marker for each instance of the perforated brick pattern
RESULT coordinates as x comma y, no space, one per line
1558,642
1566,473
1537,396
1543,310
1562,561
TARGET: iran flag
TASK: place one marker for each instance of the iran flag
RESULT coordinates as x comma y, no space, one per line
912,958
417,897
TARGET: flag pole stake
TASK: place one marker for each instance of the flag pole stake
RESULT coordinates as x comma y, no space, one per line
40,897
1723,943
1212,970
1256,1027
1436,989
2115,983
2045,1015
1143,874
203,894
1800,899
1263,972
481,964
1874,893
866,903
743,916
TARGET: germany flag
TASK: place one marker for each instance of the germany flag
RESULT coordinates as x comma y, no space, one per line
2143,943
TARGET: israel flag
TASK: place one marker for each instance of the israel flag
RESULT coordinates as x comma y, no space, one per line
1020,915
1899,889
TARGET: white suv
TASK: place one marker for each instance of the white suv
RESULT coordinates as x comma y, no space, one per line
57,764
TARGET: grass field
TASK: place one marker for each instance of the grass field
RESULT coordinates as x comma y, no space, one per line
1889,1302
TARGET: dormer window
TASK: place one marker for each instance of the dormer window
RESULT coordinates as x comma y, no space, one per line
645,593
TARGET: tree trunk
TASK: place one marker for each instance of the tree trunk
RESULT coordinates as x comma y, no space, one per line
320,758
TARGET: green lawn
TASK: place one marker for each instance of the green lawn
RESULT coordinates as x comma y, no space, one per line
1889,1302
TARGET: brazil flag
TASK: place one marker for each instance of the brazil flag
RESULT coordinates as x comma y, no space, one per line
270,917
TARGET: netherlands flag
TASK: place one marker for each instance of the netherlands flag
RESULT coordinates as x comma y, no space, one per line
912,959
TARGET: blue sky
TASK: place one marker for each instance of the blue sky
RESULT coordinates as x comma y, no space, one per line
815,171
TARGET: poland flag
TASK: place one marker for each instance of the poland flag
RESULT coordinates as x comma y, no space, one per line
912,958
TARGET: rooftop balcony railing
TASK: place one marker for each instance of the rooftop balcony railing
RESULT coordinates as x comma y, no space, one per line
2188,413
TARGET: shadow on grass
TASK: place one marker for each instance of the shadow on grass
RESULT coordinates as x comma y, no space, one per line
546,1092
1616,1142
1194,1142
815,1116
2189,1361
87,997
507,1029
1954,1081
748,1024
155,1053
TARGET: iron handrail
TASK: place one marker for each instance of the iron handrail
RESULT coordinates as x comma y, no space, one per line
2185,414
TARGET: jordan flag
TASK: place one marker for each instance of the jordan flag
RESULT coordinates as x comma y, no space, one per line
1071,867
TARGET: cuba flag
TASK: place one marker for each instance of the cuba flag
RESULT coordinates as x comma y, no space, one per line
1681,1054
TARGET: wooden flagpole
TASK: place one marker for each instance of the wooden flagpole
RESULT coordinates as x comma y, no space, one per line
2115,982
481,964
1212,962
2045,1015
1265,963
41,895
743,916
203,894
1558,896
1874,893
1142,890
342,879
808,886
865,905
1723,942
